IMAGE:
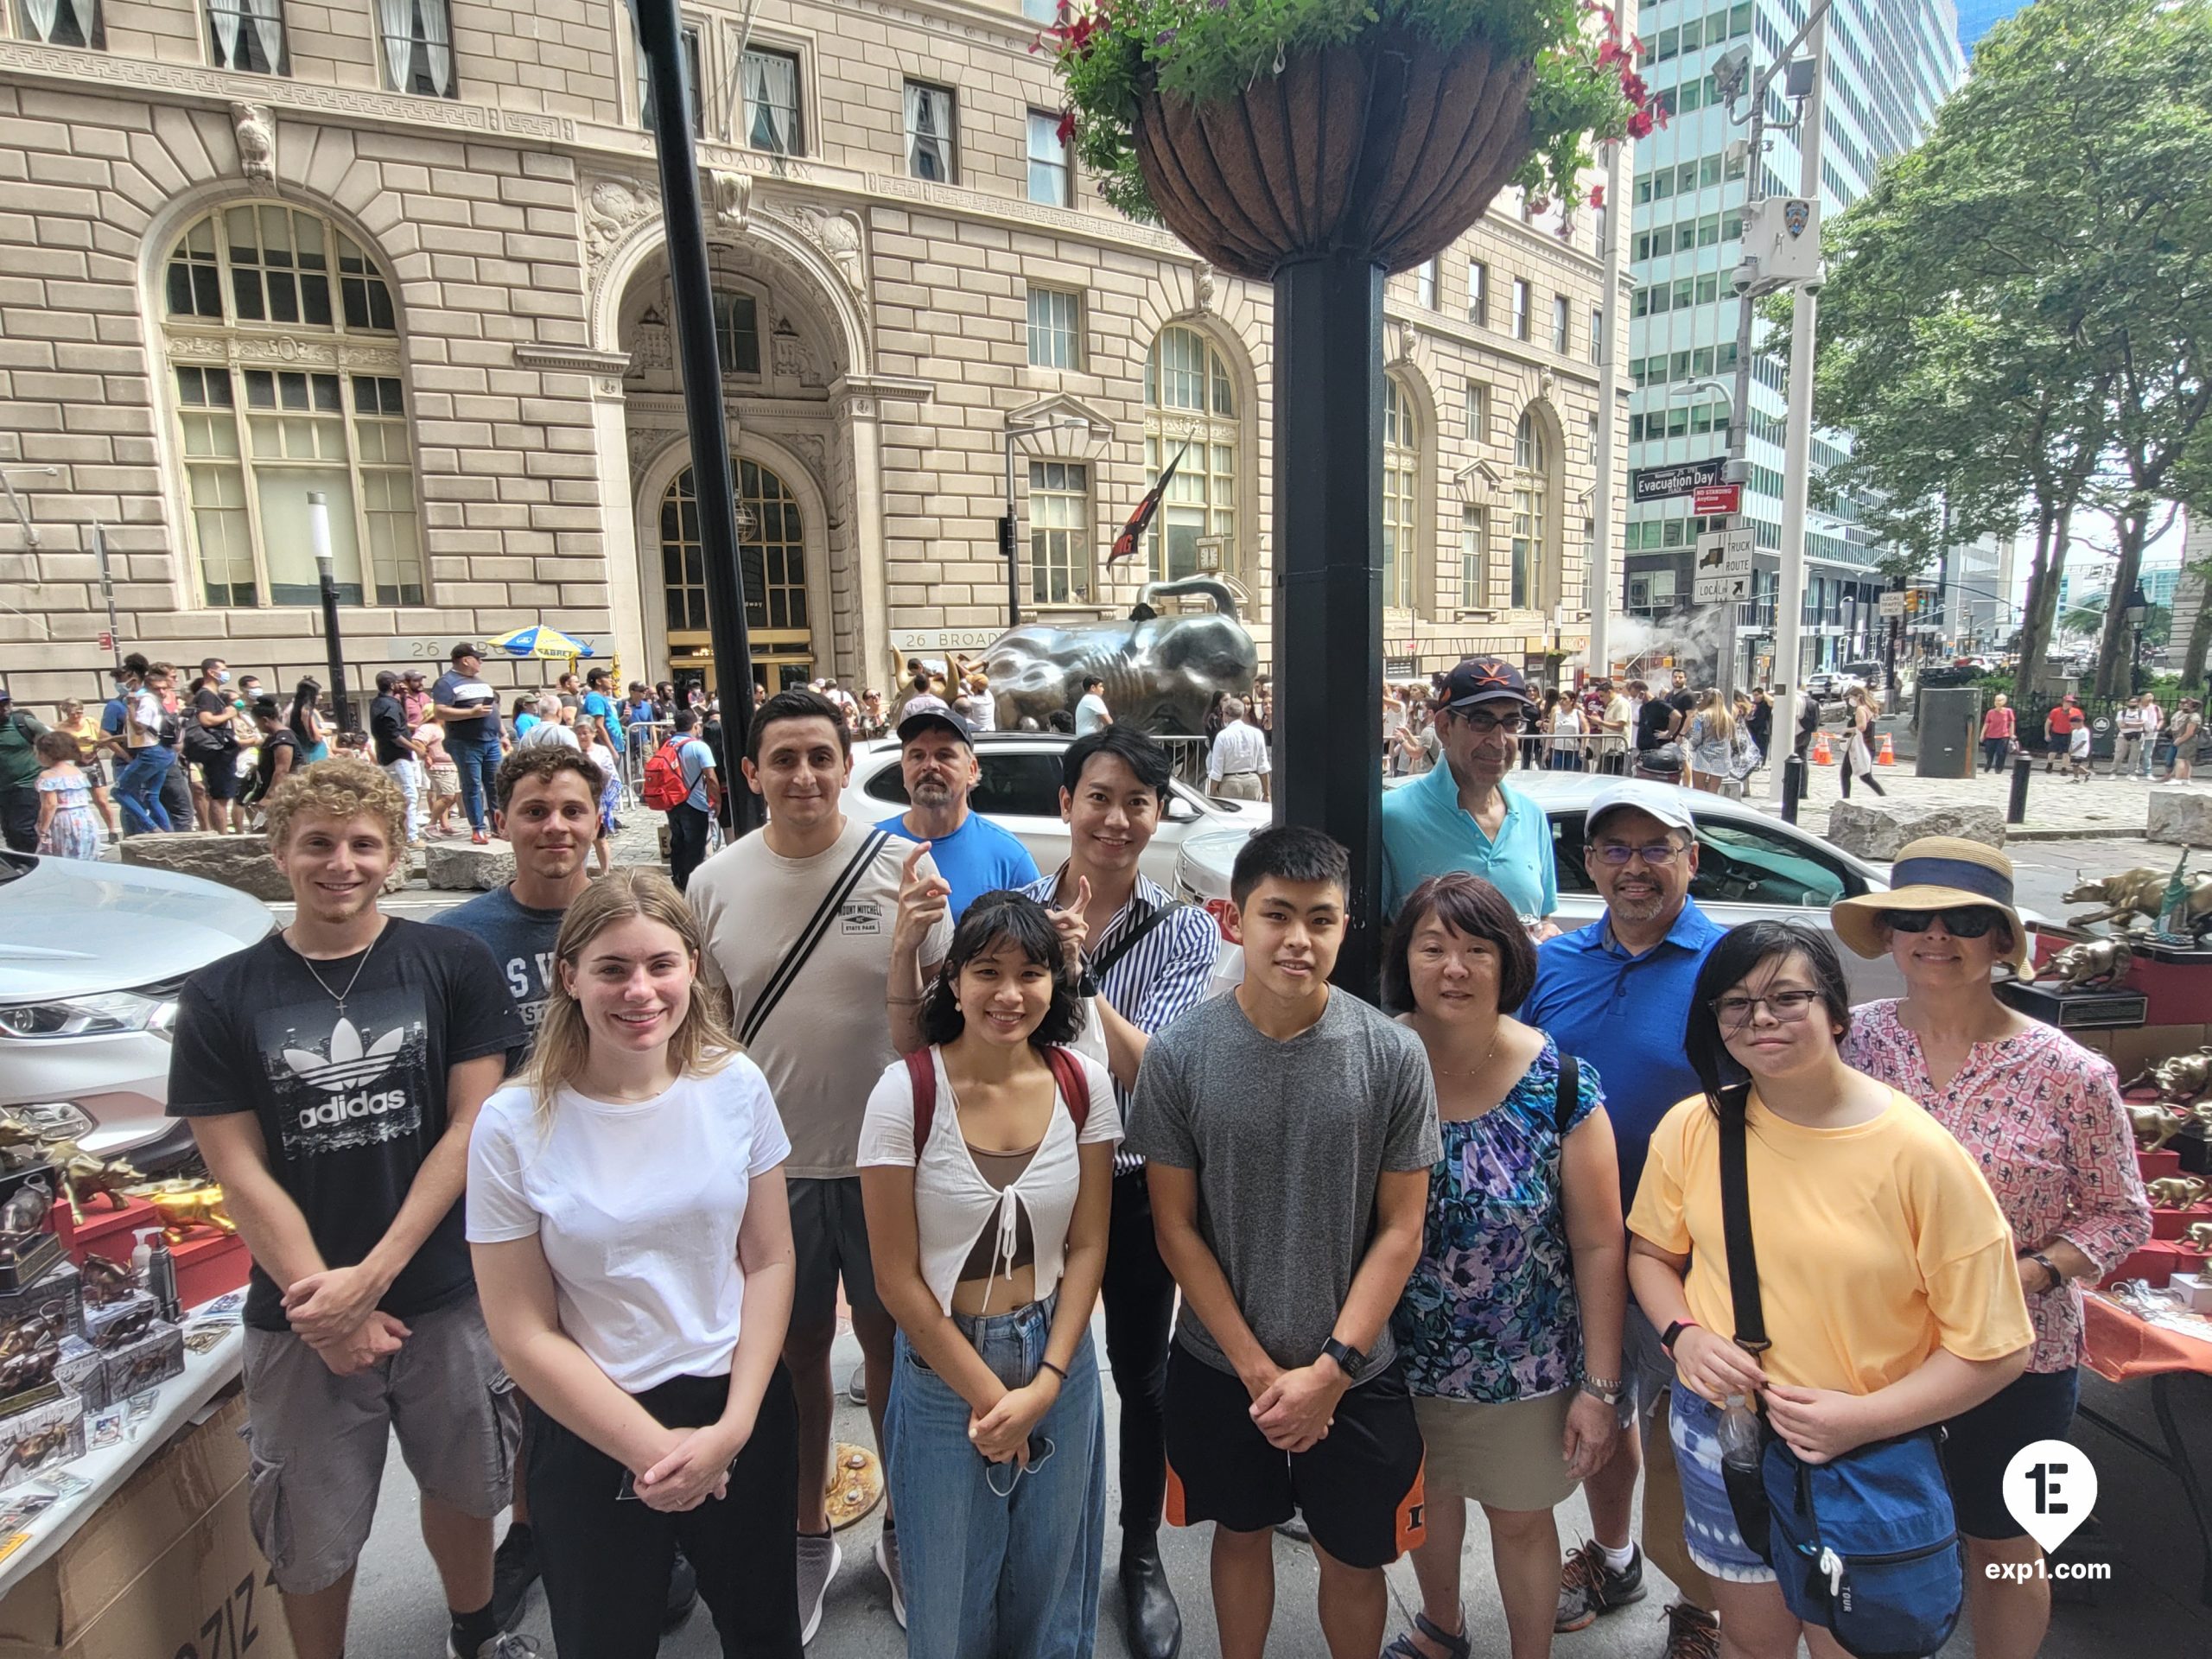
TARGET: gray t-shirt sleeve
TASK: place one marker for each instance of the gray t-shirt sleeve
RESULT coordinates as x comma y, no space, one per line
1159,1128
1413,1141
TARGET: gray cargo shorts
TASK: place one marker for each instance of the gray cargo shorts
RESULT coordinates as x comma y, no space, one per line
316,1442
1651,1373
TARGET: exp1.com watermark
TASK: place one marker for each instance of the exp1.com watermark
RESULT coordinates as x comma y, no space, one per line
2023,1572
2050,1487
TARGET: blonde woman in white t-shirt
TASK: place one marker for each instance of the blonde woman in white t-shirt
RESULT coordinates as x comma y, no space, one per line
633,1246
987,1166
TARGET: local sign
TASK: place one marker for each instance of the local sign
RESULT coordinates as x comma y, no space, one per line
1719,590
1716,498
1889,605
1657,483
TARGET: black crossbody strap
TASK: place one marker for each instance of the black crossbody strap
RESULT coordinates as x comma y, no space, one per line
1570,1090
1736,1223
1103,964
796,958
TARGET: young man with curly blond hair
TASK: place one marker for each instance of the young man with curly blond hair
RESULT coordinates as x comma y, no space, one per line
332,1074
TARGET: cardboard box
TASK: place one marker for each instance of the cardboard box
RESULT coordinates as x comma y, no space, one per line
45,1437
83,1367
209,1264
146,1363
165,1566
110,1325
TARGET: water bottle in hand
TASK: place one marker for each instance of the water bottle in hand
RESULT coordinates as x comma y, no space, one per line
1740,1433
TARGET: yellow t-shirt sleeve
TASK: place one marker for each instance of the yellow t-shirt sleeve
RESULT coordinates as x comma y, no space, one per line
1659,1214
1965,1255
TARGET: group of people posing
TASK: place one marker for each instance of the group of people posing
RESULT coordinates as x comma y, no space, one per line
584,1166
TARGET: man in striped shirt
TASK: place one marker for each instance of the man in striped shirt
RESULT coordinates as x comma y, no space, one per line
1146,960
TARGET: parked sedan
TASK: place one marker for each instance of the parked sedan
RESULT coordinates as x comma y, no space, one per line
1749,865
92,958
1020,793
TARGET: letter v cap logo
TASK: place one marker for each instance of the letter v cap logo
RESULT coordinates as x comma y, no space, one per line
350,1065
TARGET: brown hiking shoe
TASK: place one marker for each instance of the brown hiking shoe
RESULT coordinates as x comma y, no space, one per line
1588,1587
1692,1633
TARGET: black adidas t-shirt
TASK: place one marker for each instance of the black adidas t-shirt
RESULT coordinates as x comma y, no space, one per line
351,1107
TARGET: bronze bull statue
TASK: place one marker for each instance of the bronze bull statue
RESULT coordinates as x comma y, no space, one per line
2139,892
2092,962
1160,672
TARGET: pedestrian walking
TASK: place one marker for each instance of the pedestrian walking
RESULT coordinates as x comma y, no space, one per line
1565,727
2058,730
987,1160
681,780
69,716
67,825
392,746
2043,1118
2077,751
147,731
331,1073
1237,765
2188,737
660,1414
1510,1325
1090,709
468,709
2127,736
305,718
2000,726
1858,751
210,746
2153,719
20,768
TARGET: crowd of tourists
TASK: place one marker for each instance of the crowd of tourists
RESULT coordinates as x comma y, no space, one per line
566,1189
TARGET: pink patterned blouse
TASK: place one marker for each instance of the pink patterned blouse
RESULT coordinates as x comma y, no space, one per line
2042,1117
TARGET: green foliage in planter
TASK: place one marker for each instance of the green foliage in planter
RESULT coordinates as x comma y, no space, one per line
1111,53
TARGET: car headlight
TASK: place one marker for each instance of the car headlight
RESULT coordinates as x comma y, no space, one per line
106,1014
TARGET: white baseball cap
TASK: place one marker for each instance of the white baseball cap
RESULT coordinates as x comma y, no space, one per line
1662,801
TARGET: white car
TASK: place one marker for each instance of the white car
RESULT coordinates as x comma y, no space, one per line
1749,866
1020,792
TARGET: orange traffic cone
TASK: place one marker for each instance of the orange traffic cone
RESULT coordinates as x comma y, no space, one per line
1820,755
1888,757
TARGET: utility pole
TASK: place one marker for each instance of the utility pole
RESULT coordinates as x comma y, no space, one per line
1797,438
1598,584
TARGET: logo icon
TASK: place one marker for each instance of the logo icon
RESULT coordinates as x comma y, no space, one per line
2049,1488
350,1064
1795,215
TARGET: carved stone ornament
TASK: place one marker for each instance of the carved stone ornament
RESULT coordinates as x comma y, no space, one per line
257,137
1202,288
733,201
838,237
652,349
1401,341
611,208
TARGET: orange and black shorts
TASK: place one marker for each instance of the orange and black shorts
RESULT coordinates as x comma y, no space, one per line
1359,1488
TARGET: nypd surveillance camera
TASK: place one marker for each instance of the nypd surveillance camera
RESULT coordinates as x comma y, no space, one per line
1816,282
1744,279
1729,71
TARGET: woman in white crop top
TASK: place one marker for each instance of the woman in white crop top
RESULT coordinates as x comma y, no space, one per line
987,1215
632,1247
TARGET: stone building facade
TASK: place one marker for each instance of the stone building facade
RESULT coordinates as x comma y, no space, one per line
408,254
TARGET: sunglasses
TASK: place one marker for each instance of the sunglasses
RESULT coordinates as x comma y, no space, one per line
1960,921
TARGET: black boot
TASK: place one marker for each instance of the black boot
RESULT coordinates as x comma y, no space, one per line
1154,1627
683,1592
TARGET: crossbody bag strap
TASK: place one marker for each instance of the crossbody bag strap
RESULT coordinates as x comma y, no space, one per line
1736,1223
1103,964
802,949
1570,1092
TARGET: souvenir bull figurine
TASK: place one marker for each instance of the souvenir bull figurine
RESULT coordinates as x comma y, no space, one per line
2139,892
2200,1234
104,1281
2153,1126
183,1209
83,1176
1160,672
30,1348
2181,1079
32,1450
2174,1192
2090,962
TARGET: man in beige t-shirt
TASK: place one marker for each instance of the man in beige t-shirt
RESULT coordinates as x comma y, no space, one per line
822,1034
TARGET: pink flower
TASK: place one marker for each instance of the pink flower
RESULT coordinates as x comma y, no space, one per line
1066,130
1597,195
1640,124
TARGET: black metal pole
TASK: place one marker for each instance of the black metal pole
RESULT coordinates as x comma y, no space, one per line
1793,786
341,706
2016,811
1328,572
1013,569
660,37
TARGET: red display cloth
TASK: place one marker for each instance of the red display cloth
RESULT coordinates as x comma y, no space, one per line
2122,1346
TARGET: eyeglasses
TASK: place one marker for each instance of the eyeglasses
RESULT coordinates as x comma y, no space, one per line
1735,1010
1040,1454
1960,921
1483,725
1658,853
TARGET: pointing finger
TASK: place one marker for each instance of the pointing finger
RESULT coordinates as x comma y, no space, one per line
914,858
1083,893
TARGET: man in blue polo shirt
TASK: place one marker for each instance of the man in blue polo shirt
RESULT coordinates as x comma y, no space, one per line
937,756
1460,816
1617,993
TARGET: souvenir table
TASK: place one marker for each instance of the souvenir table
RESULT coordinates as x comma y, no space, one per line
2158,1338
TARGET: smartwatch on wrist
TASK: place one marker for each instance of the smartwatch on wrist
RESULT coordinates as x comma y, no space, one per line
1349,1359
1674,1333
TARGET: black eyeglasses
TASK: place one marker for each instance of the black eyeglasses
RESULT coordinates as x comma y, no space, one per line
1655,853
1483,725
1735,1010
1960,921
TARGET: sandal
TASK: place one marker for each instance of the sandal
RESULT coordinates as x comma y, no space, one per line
1455,1646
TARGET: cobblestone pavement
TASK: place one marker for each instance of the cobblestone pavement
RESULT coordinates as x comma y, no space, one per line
2057,808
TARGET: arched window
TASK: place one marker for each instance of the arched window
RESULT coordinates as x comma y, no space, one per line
284,354
771,554
1401,494
1190,411
1532,487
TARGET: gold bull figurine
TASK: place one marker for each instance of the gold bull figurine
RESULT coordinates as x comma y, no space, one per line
2174,1192
2200,1234
182,1210
2153,1126
83,1175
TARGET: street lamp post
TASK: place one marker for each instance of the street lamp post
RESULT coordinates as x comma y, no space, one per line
2138,612
325,566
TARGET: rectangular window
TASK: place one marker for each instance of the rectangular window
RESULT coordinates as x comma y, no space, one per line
737,332
1425,286
1051,170
645,84
1662,186
1478,292
389,517
1521,321
1040,11
1059,539
1474,557
932,139
62,22
1597,333
1477,412
248,35
1560,312
775,122
1708,170
1055,329
1643,189
417,40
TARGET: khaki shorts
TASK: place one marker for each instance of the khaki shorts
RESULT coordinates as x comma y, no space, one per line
1237,786
1506,1455
316,1442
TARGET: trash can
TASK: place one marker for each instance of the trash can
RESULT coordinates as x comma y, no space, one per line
1950,729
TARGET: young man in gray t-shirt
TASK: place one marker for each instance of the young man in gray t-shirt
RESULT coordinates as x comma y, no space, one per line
1290,1131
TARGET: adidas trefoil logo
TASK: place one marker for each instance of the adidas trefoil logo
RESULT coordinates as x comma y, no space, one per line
350,1065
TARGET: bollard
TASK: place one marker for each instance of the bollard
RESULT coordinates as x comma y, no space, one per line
2016,812
1793,786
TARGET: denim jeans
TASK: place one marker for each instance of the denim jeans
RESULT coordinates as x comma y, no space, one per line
138,789
987,1575
479,764
402,771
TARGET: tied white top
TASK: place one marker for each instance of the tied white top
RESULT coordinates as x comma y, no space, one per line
638,1208
953,1204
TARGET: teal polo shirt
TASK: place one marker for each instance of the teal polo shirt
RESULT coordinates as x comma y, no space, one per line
1426,832
1625,1015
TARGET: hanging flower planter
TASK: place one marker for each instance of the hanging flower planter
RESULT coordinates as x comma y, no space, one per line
1261,134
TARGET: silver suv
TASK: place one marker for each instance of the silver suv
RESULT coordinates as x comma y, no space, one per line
91,959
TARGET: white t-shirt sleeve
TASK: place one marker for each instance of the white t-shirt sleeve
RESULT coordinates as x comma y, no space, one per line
1104,1123
771,1146
498,1211
887,1131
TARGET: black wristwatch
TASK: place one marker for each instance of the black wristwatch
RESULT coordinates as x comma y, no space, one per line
1349,1359
2058,1277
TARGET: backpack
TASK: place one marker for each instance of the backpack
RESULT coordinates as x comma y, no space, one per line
664,784
1067,1073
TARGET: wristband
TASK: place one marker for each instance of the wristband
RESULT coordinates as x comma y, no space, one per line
1674,1334
1047,1365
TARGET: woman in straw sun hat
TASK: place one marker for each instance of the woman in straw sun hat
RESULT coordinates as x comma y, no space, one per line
2042,1117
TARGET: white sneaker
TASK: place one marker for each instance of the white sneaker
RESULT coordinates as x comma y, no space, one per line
887,1562
818,1562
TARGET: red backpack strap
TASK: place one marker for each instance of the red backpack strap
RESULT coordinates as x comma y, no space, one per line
1074,1082
921,1072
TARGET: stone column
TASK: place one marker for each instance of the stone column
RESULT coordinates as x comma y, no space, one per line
872,583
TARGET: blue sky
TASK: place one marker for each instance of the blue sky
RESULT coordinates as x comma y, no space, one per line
1976,16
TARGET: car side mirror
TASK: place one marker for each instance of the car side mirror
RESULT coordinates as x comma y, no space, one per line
1181,809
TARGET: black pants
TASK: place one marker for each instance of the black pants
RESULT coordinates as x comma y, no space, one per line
1865,778
176,798
1139,1294
19,817
687,843
607,1560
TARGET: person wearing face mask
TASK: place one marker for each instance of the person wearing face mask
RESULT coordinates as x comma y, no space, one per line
211,745
986,1162
2042,1117
659,1413
1461,816
937,758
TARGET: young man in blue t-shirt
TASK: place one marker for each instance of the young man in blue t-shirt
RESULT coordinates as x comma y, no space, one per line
937,755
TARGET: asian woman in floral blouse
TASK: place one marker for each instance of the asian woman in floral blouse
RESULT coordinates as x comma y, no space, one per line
2042,1117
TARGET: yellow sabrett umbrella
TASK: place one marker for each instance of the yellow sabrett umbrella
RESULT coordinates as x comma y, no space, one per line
539,641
